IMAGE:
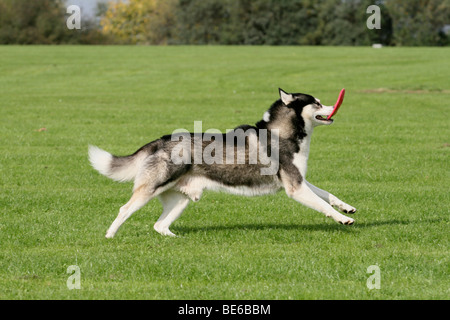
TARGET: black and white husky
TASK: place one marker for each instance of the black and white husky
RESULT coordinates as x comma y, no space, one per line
178,167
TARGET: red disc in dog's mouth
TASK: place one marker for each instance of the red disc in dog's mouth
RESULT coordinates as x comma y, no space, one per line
338,104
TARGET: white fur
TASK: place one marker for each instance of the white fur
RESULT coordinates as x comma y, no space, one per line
173,205
301,158
100,159
309,198
331,199
286,97
137,201
266,116
193,188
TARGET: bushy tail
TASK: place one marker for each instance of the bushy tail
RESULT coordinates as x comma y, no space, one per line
117,168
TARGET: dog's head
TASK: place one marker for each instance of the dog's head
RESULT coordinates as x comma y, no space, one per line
307,107
296,114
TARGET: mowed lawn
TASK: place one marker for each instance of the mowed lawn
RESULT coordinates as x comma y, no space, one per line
387,154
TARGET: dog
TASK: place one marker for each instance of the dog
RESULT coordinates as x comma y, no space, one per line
172,168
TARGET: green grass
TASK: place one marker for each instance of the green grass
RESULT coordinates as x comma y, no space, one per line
387,154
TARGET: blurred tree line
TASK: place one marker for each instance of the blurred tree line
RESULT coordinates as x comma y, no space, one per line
43,22
237,22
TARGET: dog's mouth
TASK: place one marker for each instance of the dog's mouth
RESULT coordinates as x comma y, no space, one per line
325,119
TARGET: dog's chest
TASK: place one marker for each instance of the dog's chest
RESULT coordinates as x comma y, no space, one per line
300,159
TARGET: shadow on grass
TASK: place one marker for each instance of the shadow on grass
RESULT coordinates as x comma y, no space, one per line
327,227
398,222
263,227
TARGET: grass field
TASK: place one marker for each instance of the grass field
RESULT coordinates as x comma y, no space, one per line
387,154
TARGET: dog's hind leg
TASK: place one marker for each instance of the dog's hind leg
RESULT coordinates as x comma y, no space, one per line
173,203
139,198
331,199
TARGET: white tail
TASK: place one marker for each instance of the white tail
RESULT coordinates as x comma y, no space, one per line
117,168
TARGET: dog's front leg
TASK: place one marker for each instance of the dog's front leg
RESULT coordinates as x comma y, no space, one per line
331,199
303,194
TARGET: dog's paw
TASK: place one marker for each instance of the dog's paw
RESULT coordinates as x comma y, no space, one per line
346,221
347,208
340,218
163,230
167,232
109,235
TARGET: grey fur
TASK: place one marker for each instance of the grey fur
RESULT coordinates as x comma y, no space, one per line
156,174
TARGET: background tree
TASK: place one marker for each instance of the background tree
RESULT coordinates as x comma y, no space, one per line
28,22
42,22
139,21
203,22
419,22
236,22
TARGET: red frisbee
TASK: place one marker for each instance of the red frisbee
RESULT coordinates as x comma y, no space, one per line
338,104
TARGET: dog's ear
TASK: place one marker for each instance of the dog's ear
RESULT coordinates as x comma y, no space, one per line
286,97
